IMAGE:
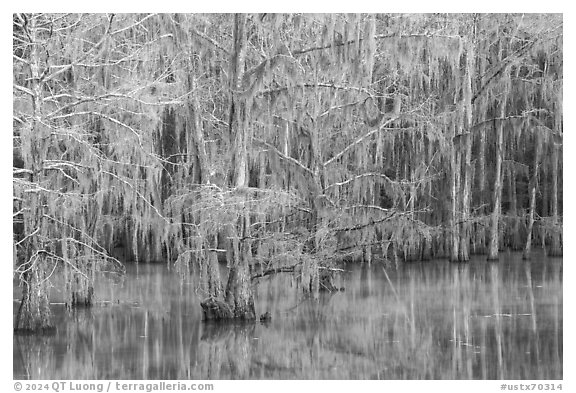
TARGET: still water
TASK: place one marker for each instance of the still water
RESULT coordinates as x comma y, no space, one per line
430,320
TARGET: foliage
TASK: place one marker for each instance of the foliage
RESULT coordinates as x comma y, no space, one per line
283,141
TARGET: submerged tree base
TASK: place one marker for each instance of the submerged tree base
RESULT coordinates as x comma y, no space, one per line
35,322
217,310
40,331
327,282
34,314
555,252
81,299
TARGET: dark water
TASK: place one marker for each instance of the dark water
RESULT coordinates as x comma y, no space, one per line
432,320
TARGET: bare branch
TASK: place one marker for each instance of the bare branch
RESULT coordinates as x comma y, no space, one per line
282,269
284,157
359,140
27,237
373,207
146,201
382,176
210,40
91,50
314,85
20,59
137,23
23,89
369,223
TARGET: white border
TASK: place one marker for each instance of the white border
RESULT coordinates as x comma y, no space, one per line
297,6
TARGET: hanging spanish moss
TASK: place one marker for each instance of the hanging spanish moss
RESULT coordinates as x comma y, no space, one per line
277,143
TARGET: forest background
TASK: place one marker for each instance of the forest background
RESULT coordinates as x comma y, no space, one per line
421,233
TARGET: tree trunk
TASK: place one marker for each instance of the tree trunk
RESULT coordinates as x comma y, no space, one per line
544,185
532,193
198,134
213,281
494,221
464,251
556,249
238,289
34,312
528,246
479,229
80,288
238,131
514,230
414,243
454,224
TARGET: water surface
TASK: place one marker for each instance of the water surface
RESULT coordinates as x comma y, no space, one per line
429,320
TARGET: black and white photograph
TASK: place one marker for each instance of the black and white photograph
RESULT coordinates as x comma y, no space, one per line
287,196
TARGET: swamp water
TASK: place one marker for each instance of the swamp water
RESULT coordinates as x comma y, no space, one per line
432,320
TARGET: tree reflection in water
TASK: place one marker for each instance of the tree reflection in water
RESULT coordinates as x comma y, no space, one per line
421,321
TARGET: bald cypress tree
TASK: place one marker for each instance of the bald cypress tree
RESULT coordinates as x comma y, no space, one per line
279,143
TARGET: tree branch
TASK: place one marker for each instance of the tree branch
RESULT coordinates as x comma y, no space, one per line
284,157
505,63
372,222
313,85
282,269
92,49
210,40
359,140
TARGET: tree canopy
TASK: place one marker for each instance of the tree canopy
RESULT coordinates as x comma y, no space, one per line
279,142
